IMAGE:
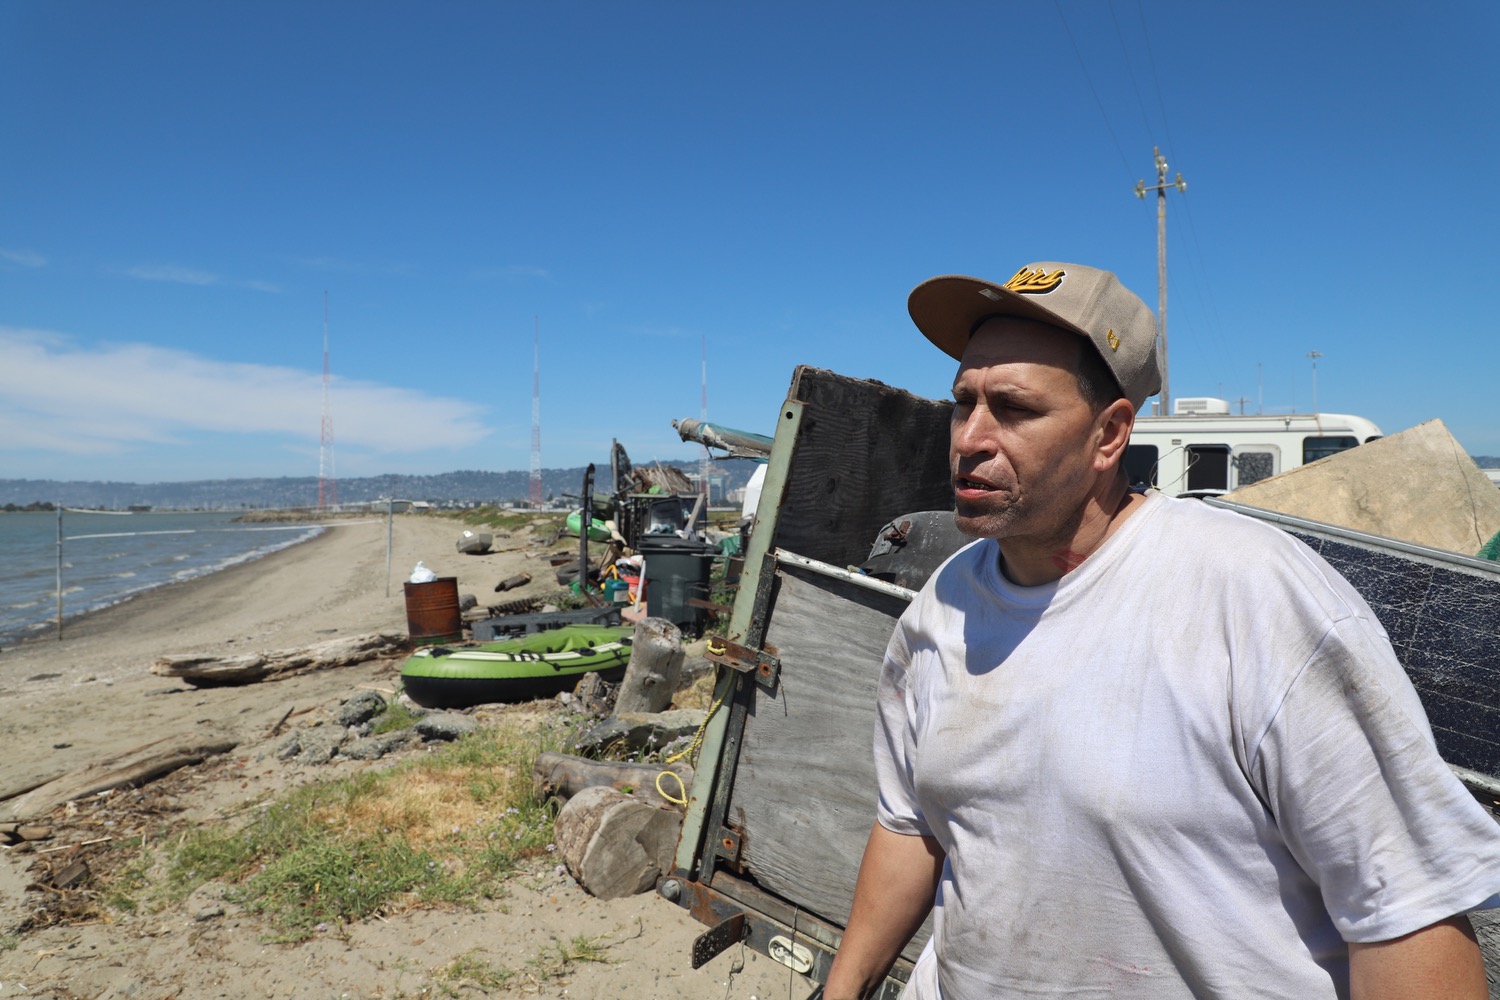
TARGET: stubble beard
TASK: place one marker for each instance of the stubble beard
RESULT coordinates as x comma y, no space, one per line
996,517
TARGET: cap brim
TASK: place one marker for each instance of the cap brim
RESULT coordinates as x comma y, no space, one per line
947,308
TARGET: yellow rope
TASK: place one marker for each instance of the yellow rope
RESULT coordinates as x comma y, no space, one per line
691,748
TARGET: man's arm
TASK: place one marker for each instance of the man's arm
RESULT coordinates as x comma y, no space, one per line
897,881
1440,962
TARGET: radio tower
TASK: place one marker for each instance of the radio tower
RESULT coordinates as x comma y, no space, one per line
703,416
328,489
536,414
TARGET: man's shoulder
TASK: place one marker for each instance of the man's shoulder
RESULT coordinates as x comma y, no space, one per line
1200,520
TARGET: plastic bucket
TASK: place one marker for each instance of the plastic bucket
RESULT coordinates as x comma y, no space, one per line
432,613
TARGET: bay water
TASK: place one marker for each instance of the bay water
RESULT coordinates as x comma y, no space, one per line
108,557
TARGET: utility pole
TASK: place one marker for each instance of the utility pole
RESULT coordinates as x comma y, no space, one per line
1160,187
1315,355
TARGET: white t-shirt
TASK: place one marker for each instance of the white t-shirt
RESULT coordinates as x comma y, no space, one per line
1190,768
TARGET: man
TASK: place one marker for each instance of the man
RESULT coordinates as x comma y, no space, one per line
1138,746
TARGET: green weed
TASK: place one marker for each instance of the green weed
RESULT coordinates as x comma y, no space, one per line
396,716
442,828
470,971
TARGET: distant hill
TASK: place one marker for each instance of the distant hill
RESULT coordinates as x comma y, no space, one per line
464,487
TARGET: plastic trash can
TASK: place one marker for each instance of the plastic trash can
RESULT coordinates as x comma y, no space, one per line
677,570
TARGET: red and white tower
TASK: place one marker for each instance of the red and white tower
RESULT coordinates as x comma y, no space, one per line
328,489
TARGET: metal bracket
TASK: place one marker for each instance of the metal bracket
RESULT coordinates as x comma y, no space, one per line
765,667
729,845
713,942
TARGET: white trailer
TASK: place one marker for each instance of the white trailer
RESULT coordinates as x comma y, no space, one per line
1202,449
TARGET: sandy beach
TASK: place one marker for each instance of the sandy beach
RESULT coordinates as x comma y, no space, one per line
90,695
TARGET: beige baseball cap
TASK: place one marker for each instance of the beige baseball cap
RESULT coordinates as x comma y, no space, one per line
1084,300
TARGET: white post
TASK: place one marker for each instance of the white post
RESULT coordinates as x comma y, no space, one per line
59,569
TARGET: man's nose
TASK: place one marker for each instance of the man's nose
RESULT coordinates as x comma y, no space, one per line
974,432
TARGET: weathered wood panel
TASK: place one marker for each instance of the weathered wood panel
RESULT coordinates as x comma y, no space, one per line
804,794
865,453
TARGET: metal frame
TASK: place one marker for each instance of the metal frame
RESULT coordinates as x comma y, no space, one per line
715,771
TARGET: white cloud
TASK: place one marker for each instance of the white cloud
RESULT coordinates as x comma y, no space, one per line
23,258
138,399
173,273
192,276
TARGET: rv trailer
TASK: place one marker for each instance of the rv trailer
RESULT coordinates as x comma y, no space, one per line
1203,450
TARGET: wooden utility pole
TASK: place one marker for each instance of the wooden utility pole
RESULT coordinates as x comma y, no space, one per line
1160,187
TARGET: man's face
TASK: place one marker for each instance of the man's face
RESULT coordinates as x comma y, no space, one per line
1021,433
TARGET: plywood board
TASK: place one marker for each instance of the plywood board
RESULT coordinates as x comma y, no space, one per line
804,793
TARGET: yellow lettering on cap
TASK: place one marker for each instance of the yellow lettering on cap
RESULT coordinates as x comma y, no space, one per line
1029,282
1114,342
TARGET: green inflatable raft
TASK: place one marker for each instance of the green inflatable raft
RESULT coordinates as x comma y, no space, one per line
538,665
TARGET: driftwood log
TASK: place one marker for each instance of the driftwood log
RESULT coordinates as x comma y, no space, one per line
135,766
563,776
655,663
613,844
218,671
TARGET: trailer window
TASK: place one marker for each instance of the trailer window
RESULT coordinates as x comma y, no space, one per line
1314,448
1140,465
1207,467
1251,465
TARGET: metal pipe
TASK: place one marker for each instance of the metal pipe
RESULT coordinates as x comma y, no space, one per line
839,573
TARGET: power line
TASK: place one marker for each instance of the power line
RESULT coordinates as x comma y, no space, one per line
1083,67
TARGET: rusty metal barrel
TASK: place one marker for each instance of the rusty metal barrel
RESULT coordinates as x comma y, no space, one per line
432,613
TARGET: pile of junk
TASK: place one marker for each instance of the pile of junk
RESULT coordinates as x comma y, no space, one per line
647,546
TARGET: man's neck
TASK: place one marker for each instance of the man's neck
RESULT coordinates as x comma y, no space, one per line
1029,562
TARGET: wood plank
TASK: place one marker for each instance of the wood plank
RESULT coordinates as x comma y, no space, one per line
804,795
130,768
866,453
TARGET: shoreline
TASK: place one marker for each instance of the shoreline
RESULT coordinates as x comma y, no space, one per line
92,694
71,624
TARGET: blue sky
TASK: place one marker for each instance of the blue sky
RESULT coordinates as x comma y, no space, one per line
649,183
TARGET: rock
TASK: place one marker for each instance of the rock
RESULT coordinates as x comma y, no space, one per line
318,744
375,747
467,601
33,831
289,747
636,731
360,709
614,845
445,726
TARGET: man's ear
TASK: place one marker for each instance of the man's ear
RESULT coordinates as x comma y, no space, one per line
1112,433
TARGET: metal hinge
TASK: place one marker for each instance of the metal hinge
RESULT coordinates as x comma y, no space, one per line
765,667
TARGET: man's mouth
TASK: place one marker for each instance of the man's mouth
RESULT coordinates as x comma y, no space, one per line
964,484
